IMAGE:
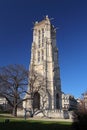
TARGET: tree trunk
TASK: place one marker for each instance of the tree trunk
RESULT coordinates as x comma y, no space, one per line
15,107
15,111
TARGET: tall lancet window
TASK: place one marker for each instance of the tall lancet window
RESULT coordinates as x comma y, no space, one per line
38,56
42,37
42,55
39,39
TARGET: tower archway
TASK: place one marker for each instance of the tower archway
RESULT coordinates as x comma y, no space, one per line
36,101
57,101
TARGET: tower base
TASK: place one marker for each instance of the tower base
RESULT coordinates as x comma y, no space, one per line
55,114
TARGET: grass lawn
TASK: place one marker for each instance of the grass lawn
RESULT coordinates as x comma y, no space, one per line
21,124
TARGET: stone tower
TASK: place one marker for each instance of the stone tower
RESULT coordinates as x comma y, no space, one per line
44,64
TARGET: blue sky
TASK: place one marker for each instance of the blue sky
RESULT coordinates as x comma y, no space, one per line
70,16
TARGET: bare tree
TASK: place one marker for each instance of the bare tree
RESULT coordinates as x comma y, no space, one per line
37,85
13,84
16,82
80,115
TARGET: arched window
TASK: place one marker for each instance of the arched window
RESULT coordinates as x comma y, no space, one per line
39,39
36,100
42,55
38,56
42,37
57,101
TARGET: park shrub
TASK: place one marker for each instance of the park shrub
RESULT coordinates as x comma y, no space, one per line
80,120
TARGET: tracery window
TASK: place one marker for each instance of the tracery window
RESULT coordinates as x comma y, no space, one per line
42,55
38,56
42,37
39,39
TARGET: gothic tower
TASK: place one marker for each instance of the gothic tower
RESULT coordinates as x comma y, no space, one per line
44,64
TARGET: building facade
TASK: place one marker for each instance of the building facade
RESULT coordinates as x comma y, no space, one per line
44,78
3,103
68,102
82,102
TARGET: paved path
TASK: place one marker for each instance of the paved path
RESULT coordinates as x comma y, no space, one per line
39,118
48,119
